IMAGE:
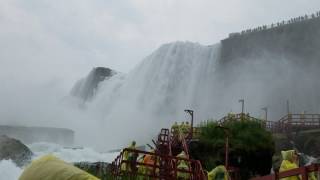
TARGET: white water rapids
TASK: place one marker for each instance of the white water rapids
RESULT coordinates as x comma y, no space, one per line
9,171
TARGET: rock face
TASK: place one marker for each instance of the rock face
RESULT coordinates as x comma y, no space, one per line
298,41
86,88
30,135
279,64
13,149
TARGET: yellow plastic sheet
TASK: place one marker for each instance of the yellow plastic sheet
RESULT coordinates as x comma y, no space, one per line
51,168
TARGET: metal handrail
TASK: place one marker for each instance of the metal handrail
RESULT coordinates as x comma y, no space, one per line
192,173
303,172
285,124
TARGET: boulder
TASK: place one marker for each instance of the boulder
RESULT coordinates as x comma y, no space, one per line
86,88
15,150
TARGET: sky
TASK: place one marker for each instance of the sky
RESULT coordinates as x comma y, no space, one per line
53,43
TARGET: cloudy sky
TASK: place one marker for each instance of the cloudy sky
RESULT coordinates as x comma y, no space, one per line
55,42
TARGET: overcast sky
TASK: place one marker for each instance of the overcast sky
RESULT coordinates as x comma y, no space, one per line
55,42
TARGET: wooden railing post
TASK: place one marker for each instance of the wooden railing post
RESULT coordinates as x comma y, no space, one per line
304,173
276,175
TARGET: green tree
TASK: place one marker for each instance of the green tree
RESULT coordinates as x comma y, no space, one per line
251,147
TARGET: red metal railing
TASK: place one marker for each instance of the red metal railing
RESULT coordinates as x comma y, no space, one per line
164,142
292,122
302,172
195,171
238,117
287,123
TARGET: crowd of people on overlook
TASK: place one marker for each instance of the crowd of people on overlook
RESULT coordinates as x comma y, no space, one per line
278,24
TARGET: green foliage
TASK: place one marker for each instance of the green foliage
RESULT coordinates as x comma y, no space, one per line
249,143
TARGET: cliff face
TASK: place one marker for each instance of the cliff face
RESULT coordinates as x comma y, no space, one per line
299,41
269,66
30,135
86,88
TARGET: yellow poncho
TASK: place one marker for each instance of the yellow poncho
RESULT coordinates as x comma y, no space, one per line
288,164
214,173
51,168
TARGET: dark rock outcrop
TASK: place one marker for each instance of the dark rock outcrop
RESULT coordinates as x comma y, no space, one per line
30,135
86,88
15,150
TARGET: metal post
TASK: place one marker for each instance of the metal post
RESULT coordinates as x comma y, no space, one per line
226,131
227,151
266,111
304,174
242,105
288,109
191,114
242,108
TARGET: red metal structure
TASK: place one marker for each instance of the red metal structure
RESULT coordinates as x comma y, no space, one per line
288,123
165,164
238,117
170,143
294,122
302,172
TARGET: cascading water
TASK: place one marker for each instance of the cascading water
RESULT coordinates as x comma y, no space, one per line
184,75
175,77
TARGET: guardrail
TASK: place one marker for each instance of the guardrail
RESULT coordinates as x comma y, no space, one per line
287,123
276,25
195,171
292,122
302,172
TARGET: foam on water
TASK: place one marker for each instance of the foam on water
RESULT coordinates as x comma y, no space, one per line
9,170
71,154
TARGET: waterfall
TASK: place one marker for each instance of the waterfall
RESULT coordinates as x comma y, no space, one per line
155,93
185,75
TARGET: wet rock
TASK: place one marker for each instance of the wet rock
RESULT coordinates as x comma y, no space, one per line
15,150
86,88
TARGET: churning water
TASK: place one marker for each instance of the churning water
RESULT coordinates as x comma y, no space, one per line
9,170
